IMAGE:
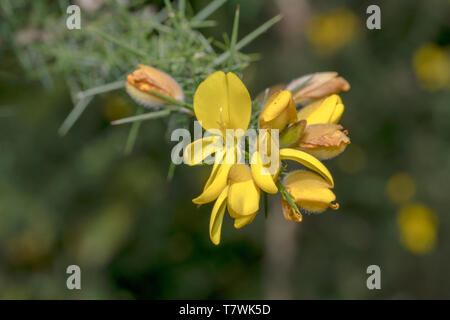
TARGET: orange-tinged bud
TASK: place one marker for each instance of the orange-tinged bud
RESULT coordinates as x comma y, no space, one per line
147,78
318,85
324,141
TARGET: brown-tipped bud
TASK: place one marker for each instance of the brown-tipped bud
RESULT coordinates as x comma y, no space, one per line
317,86
289,213
324,141
269,91
147,78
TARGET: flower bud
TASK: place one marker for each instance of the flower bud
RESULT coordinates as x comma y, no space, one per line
318,86
147,78
328,110
279,111
311,194
324,141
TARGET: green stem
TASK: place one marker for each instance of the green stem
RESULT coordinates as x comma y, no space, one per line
249,38
171,100
142,117
208,10
301,85
119,43
132,135
101,89
234,35
74,115
287,196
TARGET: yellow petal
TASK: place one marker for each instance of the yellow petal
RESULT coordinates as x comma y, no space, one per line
217,213
308,161
310,191
222,102
243,221
240,220
200,149
261,174
215,184
337,114
243,194
321,111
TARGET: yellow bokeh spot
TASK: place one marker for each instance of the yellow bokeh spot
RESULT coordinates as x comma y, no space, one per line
418,228
353,160
432,66
331,31
116,108
400,188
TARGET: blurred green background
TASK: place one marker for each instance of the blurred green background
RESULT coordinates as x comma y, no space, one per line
79,200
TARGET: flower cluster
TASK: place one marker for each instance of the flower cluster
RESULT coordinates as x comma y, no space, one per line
297,122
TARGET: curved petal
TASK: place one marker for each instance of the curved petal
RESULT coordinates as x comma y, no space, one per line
261,174
337,114
243,194
222,102
240,220
217,213
243,221
215,184
308,161
200,149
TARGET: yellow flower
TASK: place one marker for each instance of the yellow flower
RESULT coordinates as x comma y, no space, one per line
318,85
322,137
310,192
432,66
401,188
222,102
418,228
331,31
148,78
240,197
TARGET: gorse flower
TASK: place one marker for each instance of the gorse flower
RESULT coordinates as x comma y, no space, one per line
418,227
331,31
310,192
222,103
322,136
432,66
